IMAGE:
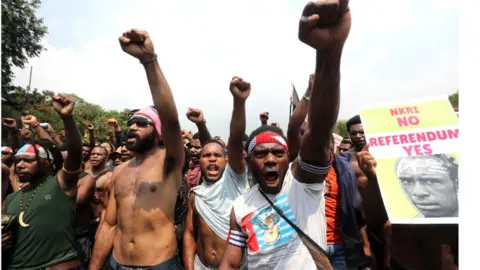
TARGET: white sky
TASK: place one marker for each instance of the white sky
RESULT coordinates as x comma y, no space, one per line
397,50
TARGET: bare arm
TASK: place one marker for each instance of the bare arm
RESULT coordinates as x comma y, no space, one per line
86,189
232,258
240,91
105,235
197,117
295,123
73,162
189,243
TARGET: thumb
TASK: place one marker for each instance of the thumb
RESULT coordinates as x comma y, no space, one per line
310,21
365,148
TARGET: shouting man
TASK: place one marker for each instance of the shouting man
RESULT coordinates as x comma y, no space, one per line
46,206
210,203
139,219
266,221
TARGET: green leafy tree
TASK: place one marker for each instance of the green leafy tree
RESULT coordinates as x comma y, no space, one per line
22,32
341,128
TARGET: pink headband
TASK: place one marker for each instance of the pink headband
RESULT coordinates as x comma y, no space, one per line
267,137
152,114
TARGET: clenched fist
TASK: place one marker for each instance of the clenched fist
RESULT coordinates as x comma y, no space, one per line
196,116
29,120
325,24
366,162
63,105
264,116
89,126
138,44
10,123
239,88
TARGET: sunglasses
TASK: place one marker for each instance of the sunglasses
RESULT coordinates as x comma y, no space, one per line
6,153
139,121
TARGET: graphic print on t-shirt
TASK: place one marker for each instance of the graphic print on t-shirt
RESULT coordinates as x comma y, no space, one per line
266,229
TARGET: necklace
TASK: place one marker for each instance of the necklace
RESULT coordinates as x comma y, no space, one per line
23,209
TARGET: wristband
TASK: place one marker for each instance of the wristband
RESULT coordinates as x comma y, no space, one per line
35,125
145,63
72,172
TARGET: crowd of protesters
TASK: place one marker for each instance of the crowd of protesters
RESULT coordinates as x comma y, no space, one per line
159,197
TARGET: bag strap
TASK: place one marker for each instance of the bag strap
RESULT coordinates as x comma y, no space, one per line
298,230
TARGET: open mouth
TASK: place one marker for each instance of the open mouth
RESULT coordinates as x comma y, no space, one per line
271,177
212,170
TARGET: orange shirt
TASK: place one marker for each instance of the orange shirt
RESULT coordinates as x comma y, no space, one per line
332,208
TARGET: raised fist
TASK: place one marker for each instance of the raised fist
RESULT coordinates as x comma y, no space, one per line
366,161
29,120
112,121
27,134
63,105
239,88
264,116
325,24
138,44
275,124
10,123
89,126
195,115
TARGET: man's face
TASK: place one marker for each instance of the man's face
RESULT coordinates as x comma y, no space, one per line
26,167
428,185
269,164
125,154
141,135
98,157
357,136
195,149
85,152
343,147
7,158
212,161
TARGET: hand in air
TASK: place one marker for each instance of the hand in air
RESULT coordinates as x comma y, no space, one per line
264,116
275,124
325,24
195,115
29,120
25,133
63,105
366,161
311,79
239,88
89,126
112,122
138,44
10,123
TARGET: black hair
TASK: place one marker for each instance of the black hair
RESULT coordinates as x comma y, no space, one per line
263,129
85,144
217,142
50,148
353,121
104,149
196,136
62,148
245,137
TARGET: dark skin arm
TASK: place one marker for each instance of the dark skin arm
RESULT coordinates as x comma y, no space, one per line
189,236
68,177
105,234
86,189
240,90
16,138
91,133
298,117
232,258
54,136
197,117
32,121
325,98
138,44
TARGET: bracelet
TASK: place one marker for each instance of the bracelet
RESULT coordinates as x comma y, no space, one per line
35,125
72,172
154,59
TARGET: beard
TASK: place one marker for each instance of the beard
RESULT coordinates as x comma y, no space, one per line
142,145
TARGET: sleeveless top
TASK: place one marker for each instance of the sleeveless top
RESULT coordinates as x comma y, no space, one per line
49,240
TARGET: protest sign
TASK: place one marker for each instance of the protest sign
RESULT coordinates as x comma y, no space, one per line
416,148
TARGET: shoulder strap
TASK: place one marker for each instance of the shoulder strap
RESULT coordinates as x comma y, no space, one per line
102,173
318,254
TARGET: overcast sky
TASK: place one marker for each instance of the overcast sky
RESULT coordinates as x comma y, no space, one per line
397,50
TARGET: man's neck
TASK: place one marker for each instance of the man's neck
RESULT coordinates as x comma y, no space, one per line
140,157
98,168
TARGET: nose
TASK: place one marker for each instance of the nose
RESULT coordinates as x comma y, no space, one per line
419,190
270,160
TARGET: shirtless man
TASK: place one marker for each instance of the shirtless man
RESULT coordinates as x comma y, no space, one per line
139,218
211,202
102,176
84,214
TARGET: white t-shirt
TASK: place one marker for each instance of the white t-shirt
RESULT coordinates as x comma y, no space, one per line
271,242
